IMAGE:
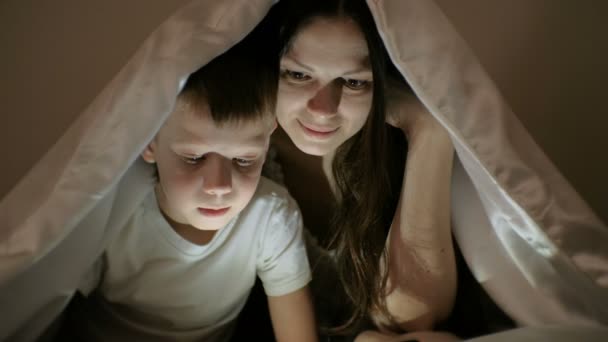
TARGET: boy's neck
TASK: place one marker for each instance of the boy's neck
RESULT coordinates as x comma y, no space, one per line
194,235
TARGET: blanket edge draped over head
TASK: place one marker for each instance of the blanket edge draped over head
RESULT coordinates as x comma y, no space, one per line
527,236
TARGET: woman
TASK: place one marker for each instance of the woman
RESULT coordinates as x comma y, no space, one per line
395,254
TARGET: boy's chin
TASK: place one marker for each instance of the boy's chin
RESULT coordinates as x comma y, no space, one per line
208,227
211,226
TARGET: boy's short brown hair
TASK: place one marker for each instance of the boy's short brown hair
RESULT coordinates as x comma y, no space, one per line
239,85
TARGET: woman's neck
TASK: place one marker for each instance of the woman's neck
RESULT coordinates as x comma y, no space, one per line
326,163
308,180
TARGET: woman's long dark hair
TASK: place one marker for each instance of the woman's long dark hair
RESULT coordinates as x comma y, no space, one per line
368,168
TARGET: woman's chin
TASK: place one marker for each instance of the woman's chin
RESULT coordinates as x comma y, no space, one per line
314,148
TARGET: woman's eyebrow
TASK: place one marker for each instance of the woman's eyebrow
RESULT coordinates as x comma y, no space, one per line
365,67
300,64
359,71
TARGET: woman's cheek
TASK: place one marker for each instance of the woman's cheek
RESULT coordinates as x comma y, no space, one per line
290,98
363,103
357,111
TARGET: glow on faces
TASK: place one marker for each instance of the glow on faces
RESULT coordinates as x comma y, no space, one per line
325,91
208,173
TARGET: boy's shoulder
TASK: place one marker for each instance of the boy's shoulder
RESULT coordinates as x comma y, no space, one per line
269,189
273,199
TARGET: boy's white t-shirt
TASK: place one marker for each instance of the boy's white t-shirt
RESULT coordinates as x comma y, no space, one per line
159,286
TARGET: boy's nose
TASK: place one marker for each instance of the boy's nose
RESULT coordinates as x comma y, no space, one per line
217,175
326,100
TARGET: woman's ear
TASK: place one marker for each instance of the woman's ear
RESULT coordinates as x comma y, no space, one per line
149,153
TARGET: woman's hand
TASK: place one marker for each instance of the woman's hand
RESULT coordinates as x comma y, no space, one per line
421,336
406,112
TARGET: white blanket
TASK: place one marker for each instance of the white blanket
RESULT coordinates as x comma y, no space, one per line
527,236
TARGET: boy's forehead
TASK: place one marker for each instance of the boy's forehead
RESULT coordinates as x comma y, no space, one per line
197,128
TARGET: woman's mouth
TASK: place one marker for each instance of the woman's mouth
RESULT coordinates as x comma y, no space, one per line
317,131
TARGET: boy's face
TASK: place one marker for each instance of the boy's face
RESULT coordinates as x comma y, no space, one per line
208,173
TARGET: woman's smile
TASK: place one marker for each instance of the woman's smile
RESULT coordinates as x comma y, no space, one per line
318,131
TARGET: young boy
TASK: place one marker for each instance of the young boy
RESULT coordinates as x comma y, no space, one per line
183,267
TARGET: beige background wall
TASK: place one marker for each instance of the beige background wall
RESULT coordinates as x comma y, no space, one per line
55,57
550,60
547,56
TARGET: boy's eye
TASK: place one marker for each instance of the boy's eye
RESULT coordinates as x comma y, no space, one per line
243,162
193,160
356,84
296,75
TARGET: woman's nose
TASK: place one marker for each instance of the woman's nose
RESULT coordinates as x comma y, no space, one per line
217,175
326,100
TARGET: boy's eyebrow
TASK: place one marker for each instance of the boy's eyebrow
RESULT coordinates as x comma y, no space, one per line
202,144
251,145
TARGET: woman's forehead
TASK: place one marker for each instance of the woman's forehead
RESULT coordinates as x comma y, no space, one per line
330,41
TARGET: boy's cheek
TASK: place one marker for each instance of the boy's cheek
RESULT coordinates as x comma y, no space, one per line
181,185
251,178
254,170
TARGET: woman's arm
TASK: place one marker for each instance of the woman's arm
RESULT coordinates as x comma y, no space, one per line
420,336
422,270
293,316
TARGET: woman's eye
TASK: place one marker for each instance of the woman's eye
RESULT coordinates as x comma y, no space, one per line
193,160
296,75
243,162
356,84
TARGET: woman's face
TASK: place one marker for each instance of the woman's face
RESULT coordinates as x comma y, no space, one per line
325,90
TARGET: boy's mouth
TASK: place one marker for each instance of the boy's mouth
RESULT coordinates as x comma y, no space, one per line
213,212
